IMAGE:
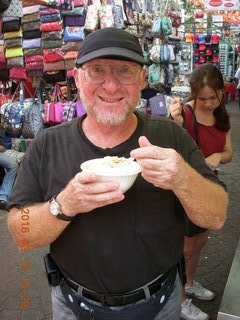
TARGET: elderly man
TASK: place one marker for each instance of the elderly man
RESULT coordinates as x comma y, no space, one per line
116,254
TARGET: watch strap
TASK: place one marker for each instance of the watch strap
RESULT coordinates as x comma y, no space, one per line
60,214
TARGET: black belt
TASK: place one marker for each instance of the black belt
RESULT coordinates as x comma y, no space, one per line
128,297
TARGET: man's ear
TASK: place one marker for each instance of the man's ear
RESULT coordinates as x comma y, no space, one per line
143,78
76,77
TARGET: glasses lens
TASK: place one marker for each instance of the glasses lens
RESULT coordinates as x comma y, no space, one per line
95,74
124,74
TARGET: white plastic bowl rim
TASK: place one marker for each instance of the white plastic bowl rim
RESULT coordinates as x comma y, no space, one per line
116,171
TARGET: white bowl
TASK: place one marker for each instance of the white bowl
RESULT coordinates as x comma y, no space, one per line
124,175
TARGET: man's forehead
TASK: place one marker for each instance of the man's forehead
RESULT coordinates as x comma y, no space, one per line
111,62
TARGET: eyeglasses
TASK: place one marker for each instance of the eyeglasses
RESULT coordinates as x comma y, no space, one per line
97,74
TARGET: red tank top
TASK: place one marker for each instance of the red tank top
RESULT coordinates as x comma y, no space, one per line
211,140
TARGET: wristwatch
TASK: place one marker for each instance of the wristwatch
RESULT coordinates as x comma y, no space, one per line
56,210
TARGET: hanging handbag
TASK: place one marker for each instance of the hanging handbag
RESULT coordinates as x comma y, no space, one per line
34,58
106,16
30,9
51,44
74,12
13,43
157,105
74,34
118,17
35,73
51,17
52,55
9,26
72,21
47,11
33,119
51,26
55,76
4,75
79,3
30,18
31,43
13,34
32,34
18,73
92,18
32,51
34,25
37,65
69,111
69,64
52,35
12,114
70,55
80,109
15,62
2,57
14,52
71,46
53,66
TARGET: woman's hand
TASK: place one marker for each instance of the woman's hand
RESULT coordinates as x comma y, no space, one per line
175,109
213,160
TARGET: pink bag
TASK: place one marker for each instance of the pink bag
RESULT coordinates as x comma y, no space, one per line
33,58
80,109
47,11
36,65
49,113
18,73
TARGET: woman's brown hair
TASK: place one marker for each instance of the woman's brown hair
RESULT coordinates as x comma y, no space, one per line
209,75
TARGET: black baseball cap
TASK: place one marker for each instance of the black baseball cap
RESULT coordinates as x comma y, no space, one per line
110,43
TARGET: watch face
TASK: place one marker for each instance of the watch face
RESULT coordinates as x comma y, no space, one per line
54,208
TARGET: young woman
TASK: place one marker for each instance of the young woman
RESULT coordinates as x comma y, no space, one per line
208,124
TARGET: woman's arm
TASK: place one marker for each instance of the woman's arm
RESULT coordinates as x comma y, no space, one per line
215,159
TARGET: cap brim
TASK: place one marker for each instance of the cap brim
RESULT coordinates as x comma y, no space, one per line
122,53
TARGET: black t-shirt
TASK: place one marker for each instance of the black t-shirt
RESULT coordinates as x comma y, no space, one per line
122,246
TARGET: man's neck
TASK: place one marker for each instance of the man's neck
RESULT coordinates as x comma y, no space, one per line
108,136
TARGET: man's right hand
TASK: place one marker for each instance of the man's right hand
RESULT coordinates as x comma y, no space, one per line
85,193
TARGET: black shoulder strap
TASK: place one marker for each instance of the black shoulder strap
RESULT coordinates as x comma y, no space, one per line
195,125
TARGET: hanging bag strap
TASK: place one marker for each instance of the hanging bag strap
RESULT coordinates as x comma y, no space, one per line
194,121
